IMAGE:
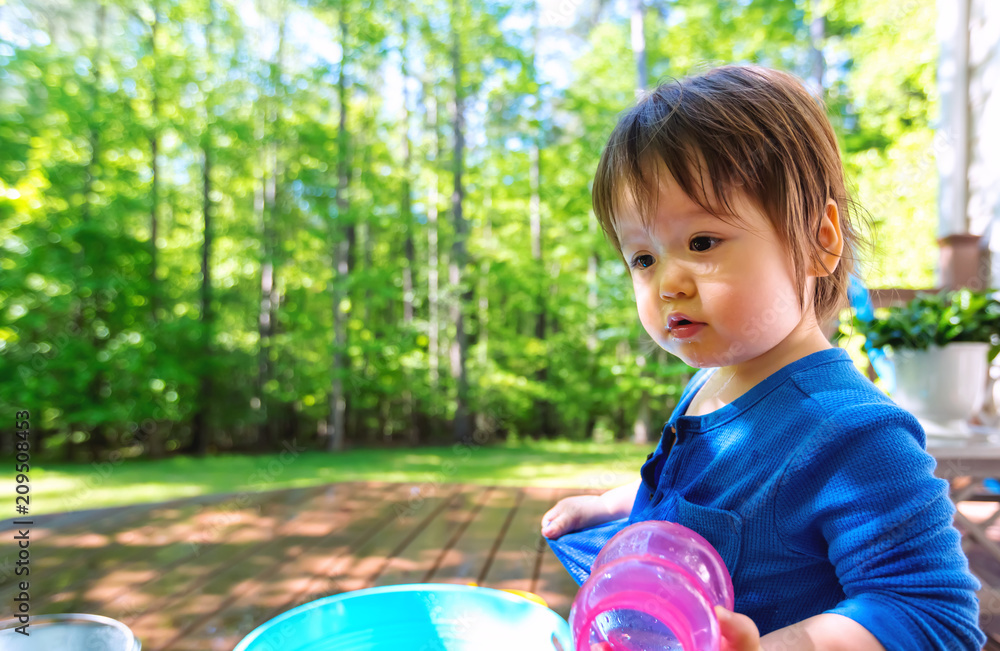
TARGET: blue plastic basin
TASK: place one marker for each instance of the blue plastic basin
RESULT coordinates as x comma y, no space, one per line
416,617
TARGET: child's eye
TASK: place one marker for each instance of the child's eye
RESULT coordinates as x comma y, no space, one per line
703,242
637,261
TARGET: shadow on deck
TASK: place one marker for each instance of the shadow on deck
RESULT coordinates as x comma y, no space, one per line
201,573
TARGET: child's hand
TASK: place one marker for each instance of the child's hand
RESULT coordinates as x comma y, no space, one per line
572,513
739,633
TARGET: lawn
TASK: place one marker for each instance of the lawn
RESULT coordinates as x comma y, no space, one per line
57,487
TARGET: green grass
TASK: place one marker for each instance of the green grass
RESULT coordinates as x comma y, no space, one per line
57,487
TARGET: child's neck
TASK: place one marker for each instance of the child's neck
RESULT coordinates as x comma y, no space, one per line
728,383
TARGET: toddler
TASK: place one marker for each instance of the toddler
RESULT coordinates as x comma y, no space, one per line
724,195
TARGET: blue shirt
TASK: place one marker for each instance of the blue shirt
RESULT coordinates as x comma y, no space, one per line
819,494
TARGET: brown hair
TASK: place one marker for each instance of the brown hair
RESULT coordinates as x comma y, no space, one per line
748,129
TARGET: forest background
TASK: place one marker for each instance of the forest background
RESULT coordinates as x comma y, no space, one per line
235,226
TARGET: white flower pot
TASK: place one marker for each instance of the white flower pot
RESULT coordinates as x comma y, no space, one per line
941,384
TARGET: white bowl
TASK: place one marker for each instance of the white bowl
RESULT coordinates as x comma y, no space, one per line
68,632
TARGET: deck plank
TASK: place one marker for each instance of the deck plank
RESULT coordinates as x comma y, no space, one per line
78,538
141,554
424,553
203,584
466,561
298,545
515,563
129,598
400,521
355,523
366,563
311,531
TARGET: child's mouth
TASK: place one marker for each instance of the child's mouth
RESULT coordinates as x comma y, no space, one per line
683,329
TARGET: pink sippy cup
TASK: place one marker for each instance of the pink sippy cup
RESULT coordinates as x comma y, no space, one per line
654,585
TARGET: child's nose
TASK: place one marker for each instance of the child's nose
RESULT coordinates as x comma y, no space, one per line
675,282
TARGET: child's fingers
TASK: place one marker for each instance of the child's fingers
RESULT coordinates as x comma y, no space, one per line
739,633
555,527
551,514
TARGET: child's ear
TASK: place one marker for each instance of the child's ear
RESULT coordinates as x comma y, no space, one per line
830,240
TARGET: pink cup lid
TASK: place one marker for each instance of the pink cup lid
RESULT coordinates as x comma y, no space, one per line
653,578
677,544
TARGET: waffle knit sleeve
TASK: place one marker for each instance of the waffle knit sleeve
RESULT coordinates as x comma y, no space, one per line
860,491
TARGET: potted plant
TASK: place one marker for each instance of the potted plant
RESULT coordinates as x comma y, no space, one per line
941,346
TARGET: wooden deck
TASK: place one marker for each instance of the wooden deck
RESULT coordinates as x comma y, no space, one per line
200,573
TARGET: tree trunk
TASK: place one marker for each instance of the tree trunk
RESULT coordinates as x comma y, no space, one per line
620,431
90,174
264,323
543,408
484,285
363,309
343,239
269,431
592,356
261,214
592,261
433,326
154,145
411,430
640,428
623,353
152,441
366,234
462,429
200,427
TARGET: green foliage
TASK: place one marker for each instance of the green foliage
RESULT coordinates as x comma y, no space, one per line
935,320
102,329
884,102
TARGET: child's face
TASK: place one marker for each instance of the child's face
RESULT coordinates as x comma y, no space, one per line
736,281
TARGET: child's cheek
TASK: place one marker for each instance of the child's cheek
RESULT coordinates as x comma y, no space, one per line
652,322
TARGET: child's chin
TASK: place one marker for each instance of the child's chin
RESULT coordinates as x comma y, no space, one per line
696,361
